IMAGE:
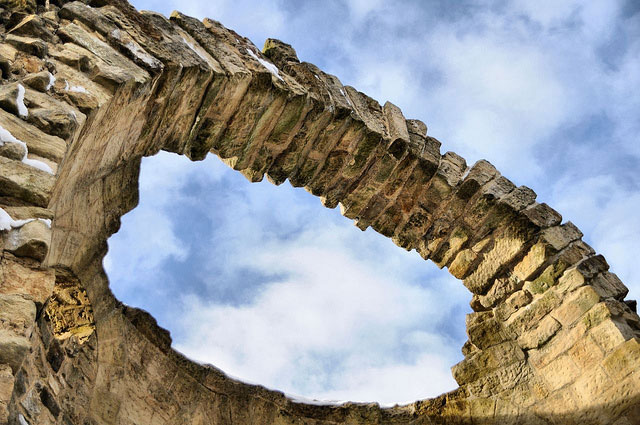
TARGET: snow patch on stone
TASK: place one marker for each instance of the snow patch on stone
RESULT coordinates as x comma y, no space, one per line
74,89
7,137
346,97
8,223
313,401
52,81
193,47
270,67
144,56
22,108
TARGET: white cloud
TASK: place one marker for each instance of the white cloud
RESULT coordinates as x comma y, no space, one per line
605,211
346,311
335,326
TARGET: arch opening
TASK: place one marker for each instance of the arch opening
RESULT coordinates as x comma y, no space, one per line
265,283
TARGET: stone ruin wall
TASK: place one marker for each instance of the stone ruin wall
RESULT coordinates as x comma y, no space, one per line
91,89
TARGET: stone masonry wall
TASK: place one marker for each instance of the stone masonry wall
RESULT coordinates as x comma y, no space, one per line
88,89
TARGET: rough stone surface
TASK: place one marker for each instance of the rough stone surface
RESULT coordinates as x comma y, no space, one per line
551,339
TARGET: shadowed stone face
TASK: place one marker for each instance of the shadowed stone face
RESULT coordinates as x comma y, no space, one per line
90,89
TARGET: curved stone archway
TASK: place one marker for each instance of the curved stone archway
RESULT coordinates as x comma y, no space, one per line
91,89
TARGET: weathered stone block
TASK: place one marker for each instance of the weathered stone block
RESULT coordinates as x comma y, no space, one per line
501,289
528,317
535,258
486,334
26,183
607,285
21,278
17,317
519,198
31,240
610,334
483,362
623,360
513,303
586,354
542,215
542,333
562,341
28,45
501,380
462,264
576,305
591,384
560,372
505,248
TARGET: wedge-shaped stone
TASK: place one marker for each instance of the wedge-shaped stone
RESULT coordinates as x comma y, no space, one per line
35,27
519,198
481,173
118,68
486,361
501,289
608,285
28,45
538,336
369,111
505,248
540,255
542,215
38,142
30,240
529,317
20,181
396,123
513,303
462,264
486,334
115,35
576,305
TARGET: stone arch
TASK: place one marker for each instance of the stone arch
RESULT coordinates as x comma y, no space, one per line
551,339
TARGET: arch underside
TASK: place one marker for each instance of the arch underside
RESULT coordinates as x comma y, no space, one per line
551,339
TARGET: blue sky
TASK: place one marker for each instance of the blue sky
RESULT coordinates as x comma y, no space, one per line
267,284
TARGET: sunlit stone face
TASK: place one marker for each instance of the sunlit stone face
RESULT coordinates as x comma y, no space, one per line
265,283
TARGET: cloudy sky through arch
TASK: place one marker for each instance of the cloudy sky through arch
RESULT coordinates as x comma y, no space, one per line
545,90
